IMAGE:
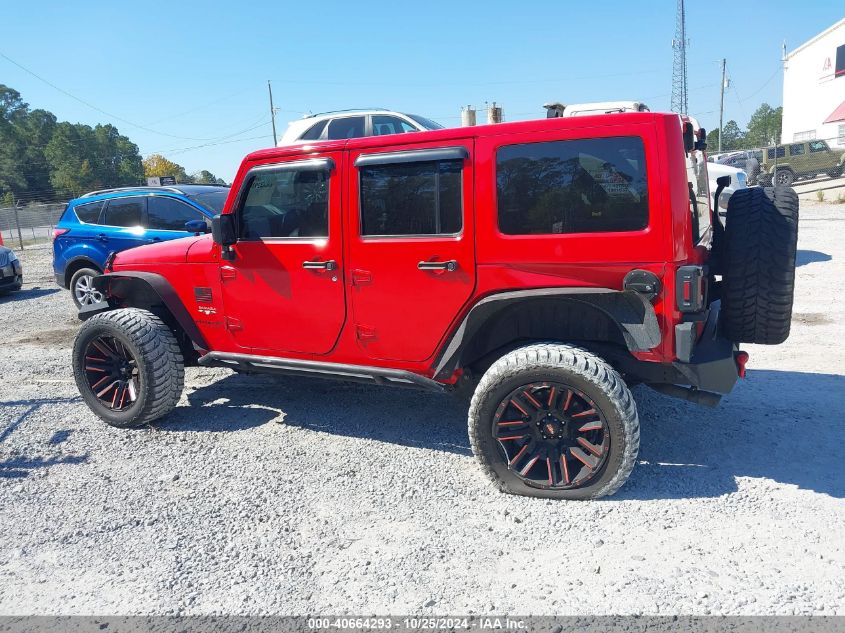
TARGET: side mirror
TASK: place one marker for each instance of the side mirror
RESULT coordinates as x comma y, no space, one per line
689,138
723,181
223,229
196,226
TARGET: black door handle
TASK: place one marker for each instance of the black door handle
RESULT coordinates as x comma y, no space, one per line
328,265
450,265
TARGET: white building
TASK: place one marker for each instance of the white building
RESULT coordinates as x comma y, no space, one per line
814,89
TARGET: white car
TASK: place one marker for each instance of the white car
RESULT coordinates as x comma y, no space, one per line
354,124
557,109
739,180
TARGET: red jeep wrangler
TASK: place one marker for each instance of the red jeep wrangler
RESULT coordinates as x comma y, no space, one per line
549,264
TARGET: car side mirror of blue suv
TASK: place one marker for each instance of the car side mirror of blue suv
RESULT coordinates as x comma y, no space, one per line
196,226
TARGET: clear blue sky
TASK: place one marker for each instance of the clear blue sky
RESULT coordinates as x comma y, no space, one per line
194,73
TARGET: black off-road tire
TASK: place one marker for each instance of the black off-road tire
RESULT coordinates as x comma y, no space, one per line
836,172
761,240
578,369
161,370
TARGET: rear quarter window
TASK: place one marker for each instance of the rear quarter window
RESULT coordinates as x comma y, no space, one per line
573,186
89,213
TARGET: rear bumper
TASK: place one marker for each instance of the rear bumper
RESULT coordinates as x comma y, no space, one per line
712,364
60,279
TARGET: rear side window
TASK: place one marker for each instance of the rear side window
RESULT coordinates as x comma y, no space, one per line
89,212
412,198
347,127
170,214
579,186
781,152
796,150
124,212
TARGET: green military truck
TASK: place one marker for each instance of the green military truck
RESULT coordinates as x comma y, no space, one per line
785,164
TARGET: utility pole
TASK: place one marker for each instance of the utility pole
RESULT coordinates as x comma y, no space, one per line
272,113
722,104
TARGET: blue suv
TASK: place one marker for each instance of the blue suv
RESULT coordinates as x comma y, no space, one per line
113,220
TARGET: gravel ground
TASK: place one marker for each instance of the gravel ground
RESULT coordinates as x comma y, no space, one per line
289,496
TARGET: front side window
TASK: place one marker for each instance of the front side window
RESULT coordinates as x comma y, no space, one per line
211,200
125,212
579,186
422,198
796,150
818,146
383,124
90,212
286,202
428,124
169,214
347,127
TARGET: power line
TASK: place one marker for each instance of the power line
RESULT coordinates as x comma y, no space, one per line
547,79
93,107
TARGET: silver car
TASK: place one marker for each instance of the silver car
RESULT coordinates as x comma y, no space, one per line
354,124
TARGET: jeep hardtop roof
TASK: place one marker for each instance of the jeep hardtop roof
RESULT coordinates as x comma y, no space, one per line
622,120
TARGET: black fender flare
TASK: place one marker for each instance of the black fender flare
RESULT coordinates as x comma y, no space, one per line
136,288
629,310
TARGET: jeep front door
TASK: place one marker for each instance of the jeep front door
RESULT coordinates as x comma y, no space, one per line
411,253
284,291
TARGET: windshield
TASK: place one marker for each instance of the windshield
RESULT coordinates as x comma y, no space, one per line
426,123
211,200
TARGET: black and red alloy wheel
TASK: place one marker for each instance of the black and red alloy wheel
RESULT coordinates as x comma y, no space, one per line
111,372
551,435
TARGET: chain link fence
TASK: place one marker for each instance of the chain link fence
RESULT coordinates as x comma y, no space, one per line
29,225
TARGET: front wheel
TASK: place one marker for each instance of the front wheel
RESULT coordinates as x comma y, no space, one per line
128,367
555,421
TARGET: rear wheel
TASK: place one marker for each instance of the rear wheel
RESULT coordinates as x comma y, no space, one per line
555,421
784,177
128,367
82,289
761,239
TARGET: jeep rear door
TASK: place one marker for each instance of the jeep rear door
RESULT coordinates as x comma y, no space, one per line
283,291
411,255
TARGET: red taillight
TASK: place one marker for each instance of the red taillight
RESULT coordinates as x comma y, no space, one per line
57,232
741,359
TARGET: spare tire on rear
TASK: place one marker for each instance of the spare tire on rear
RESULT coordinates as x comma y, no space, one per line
758,280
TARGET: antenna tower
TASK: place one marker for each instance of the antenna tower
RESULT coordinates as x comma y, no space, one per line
679,65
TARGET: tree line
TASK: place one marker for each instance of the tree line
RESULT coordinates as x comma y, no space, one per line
46,160
763,130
